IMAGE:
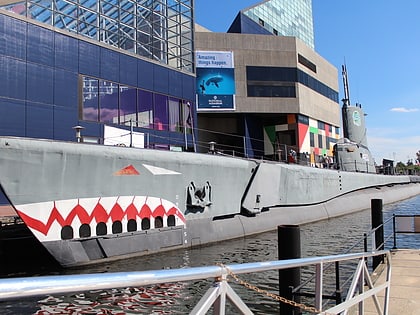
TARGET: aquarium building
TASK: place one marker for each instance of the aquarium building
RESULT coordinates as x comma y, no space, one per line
99,69
264,83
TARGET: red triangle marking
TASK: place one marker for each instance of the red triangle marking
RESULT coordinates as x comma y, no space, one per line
128,170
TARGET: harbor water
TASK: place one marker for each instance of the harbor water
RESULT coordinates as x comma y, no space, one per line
333,236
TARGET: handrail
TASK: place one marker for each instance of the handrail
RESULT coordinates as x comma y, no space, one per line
339,286
35,286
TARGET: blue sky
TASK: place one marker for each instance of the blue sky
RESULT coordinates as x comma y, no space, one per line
380,42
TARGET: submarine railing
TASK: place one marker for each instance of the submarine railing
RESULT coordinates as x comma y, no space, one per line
362,287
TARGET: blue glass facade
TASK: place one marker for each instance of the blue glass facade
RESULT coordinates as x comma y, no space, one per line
284,18
43,85
161,30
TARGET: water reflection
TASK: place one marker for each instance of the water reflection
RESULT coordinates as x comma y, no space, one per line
326,237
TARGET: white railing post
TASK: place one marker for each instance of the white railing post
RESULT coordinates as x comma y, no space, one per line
319,285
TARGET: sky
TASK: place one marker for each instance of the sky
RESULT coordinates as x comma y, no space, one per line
379,41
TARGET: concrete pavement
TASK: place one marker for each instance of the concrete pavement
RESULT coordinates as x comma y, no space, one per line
405,284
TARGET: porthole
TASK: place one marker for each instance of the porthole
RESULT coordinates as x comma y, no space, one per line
145,224
132,225
84,230
158,222
171,220
116,227
101,229
67,232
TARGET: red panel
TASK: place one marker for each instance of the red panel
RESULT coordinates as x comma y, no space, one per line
302,132
327,130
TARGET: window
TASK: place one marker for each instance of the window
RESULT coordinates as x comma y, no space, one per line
280,82
108,102
128,106
166,26
310,65
145,109
175,119
90,99
312,139
112,103
186,117
160,114
320,142
271,91
303,120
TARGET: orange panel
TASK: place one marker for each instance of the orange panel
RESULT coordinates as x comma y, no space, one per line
291,118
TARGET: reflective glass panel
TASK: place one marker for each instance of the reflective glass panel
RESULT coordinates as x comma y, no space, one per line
145,109
128,105
90,99
160,117
108,102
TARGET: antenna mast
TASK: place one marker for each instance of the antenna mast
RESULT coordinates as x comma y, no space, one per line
346,99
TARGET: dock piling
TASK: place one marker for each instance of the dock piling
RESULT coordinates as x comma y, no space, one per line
288,238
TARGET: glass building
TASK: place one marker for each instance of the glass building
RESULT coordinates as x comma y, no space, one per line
282,18
121,63
160,30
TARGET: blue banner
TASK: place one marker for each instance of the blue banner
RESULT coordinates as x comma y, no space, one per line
215,80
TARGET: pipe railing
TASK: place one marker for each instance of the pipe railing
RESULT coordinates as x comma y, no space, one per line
219,292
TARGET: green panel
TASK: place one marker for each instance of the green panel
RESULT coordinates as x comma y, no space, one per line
271,132
313,130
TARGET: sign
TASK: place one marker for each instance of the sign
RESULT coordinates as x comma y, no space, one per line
215,80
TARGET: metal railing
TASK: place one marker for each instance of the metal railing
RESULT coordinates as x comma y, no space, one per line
361,288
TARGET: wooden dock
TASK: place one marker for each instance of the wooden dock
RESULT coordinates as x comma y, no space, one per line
405,284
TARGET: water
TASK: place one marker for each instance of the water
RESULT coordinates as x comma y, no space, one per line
317,239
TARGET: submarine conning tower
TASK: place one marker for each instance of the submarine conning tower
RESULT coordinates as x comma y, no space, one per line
354,127
352,153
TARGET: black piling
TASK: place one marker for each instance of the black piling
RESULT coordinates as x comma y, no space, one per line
378,225
288,238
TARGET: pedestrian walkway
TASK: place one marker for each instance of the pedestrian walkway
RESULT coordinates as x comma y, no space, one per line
405,284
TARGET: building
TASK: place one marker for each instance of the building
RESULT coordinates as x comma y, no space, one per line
277,17
96,64
284,95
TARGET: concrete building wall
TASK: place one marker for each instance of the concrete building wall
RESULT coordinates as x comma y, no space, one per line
259,115
275,51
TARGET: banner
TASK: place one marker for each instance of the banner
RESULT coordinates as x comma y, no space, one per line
215,80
